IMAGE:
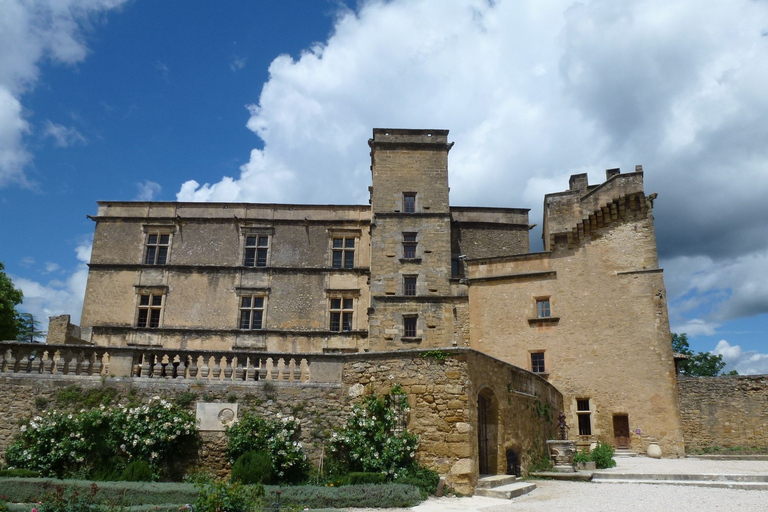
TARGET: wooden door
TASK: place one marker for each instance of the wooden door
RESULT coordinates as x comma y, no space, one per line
483,407
621,430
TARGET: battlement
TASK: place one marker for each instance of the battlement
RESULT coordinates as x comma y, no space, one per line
408,136
569,215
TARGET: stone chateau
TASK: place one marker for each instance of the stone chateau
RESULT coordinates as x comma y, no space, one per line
311,306
410,271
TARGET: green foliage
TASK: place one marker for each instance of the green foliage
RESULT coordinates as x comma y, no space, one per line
435,354
602,454
348,496
3,504
278,437
10,297
699,364
372,440
77,443
221,496
137,471
420,476
29,329
360,478
76,397
253,468
582,456
19,473
185,399
32,490
69,499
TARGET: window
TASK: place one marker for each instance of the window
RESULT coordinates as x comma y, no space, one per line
409,202
409,326
341,314
584,412
409,285
256,250
150,308
157,248
343,252
252,312
409,246
537,362
542,308
455,268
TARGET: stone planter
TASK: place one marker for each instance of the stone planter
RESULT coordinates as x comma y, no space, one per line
561,454
585,466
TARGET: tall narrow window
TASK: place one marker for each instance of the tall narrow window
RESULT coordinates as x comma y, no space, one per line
157,248
409,285
256,251
341,311
150,308
409,202
542,308
537,362
409,246
584,412
344,252
251,312
410,324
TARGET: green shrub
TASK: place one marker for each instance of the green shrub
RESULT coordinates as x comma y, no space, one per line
221,496
32,490
582,456
137,471
348,496
278,437
253,468
419,476
602,454
3,504
361,478
19,473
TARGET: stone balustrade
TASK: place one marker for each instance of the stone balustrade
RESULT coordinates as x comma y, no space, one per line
159,363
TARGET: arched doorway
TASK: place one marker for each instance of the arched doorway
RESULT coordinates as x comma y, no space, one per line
487,432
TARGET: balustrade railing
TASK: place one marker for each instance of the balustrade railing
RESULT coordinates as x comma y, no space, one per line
155,363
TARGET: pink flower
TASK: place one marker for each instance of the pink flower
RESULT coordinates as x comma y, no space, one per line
34,509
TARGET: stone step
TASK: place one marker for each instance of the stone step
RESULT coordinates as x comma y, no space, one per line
623,452
755,486
506,492
491,481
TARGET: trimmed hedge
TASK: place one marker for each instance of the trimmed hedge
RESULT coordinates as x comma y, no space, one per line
32,490
347,496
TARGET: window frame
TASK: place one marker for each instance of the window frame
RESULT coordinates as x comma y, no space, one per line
584,416
149,315
346,254
409,202
410,245
543,307
410,285
341,317
411,326
253,310
157,252
538,362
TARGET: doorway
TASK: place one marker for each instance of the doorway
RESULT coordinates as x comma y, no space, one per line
487,444
621,430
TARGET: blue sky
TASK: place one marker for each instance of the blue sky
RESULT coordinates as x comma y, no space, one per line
274,102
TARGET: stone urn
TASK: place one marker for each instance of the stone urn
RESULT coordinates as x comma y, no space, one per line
654,450
561,452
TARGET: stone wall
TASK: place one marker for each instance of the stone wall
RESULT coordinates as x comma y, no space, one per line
726,411
442,389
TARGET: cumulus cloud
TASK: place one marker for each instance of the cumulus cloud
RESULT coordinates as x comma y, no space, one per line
148,190
748,362
57,296
31,31
533,92
63,136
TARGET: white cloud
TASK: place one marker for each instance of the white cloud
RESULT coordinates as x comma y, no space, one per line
63,136
748,362
29,32
237,63
57,296
533,92
148,190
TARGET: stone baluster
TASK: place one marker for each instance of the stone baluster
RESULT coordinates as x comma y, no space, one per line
262,369
145,365
240,364
281,370
36,363
157,368
48,362
23,363
81,366
5,365
58,362
304,370
193,368
290,368
216,372
270,366
206,368
66,362
226,364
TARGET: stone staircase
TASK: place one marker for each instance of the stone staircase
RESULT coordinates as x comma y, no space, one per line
624,452
753,482
502,486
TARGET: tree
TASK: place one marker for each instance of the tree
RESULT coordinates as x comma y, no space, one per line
10,297
29,328
698,364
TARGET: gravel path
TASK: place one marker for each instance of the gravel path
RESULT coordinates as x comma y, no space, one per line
551,495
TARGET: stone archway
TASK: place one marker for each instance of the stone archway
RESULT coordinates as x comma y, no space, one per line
487,432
